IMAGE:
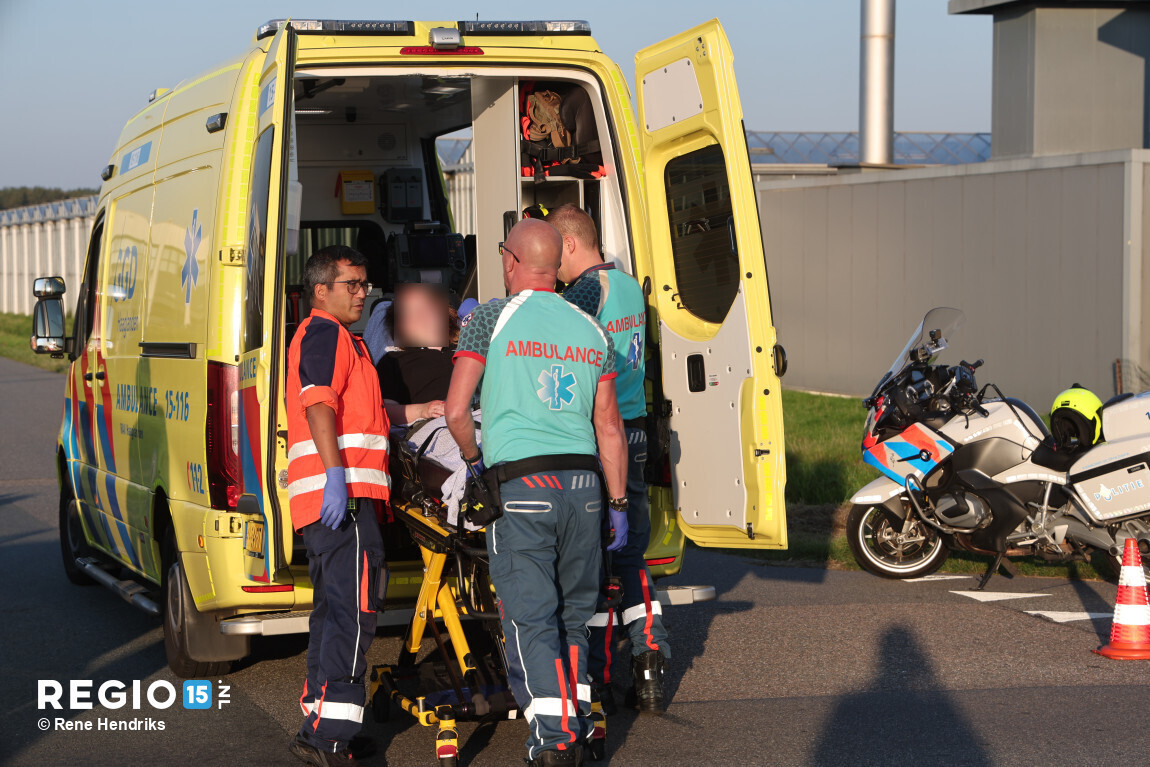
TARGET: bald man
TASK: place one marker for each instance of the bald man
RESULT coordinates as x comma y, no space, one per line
549,408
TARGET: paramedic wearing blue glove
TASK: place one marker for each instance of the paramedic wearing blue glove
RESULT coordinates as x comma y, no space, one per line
549,408
617,301
337,474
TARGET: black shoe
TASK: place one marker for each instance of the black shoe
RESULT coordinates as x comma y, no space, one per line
313,756
571,757
648,694
362,746
602,693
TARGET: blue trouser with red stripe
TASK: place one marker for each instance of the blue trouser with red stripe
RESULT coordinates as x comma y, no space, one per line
640,612
344,565
545,554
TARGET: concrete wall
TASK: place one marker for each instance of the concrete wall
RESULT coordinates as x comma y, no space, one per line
1043,255
1070,80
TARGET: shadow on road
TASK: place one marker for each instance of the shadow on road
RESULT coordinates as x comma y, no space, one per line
870,727
1094,603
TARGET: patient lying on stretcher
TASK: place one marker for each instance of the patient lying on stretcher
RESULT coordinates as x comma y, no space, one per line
414,375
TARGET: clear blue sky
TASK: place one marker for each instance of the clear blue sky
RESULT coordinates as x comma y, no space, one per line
76,70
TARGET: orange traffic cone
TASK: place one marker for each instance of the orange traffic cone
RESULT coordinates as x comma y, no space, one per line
1130,632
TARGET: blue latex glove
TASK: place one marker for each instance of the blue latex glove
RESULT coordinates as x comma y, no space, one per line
334,507
619,524
475,469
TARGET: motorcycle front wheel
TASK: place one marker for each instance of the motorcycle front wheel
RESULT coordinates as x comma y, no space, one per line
880,546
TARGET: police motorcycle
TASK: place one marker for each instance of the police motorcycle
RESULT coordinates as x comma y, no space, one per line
969,468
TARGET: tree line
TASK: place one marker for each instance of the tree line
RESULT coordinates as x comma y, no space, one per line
19,196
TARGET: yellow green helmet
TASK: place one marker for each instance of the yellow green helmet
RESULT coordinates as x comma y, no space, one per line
1076,419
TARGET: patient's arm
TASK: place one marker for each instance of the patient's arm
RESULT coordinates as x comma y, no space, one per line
397,413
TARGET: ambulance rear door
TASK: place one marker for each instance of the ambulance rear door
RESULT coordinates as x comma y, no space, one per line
709,287
271,233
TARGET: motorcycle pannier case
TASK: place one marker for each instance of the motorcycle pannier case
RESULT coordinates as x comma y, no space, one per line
1126,417
1112,480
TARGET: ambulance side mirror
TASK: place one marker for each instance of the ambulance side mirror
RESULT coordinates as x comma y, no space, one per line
48,287
48,335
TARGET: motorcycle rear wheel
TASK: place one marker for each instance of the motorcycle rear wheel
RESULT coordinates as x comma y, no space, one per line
879,546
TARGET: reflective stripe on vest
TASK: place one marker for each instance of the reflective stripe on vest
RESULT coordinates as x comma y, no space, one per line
351,476
363,441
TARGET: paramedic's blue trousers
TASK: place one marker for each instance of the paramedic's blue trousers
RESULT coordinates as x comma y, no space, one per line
546,556
640,613
344,565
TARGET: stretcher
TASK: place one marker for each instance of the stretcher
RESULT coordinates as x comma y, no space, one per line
464,677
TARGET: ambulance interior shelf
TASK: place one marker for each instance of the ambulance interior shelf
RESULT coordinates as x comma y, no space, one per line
554,191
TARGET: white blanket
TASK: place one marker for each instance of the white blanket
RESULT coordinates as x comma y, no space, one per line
443,451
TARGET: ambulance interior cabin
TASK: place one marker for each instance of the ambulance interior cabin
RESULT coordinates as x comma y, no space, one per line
368,148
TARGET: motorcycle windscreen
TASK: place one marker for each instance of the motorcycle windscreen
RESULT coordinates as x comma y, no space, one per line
916,451
932,335
717,343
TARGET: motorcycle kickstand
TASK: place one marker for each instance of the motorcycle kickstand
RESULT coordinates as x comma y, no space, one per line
1000,560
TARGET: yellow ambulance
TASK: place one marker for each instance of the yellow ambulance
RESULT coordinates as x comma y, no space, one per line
172,452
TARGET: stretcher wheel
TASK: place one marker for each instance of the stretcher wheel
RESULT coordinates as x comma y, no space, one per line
381,706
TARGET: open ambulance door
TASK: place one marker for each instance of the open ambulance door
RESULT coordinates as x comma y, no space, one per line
709,286
272,232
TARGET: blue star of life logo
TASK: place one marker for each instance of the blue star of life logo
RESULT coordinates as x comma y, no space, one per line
635,351
190,274
556,387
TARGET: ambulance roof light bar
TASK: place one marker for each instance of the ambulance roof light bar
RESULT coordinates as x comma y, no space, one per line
337,27
538,27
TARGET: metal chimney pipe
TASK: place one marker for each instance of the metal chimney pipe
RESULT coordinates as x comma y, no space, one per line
876,83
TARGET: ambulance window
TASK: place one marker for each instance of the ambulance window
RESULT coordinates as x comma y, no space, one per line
90,290
699,210
257,241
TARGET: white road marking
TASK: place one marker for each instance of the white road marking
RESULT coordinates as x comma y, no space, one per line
938,577
1067,617
995,596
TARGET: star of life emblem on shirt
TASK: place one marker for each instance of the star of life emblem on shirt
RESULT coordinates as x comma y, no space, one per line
556,387
635,351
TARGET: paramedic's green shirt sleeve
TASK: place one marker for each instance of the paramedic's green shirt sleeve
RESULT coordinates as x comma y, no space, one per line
475,335
609,370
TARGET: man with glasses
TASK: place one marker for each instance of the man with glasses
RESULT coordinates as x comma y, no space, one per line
337,477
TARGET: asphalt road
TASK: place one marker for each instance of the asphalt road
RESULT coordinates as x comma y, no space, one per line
786,667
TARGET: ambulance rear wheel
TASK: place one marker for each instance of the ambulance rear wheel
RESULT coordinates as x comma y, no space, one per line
73,544
177,599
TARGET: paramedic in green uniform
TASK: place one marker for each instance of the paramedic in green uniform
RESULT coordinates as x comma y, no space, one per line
549,407
616,300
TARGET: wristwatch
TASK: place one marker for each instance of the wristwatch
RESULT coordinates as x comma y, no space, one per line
618,504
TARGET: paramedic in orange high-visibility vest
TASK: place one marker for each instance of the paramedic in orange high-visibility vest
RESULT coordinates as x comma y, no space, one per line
337,482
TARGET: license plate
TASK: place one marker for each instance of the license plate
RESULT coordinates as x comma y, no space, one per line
254,544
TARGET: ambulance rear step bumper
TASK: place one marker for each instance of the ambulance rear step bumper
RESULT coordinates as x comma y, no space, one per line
274,624
131,592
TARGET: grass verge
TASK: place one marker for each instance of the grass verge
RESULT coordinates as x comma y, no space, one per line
824,469
14,332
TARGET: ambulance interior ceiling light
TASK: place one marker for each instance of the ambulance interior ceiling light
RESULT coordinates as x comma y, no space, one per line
312,111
